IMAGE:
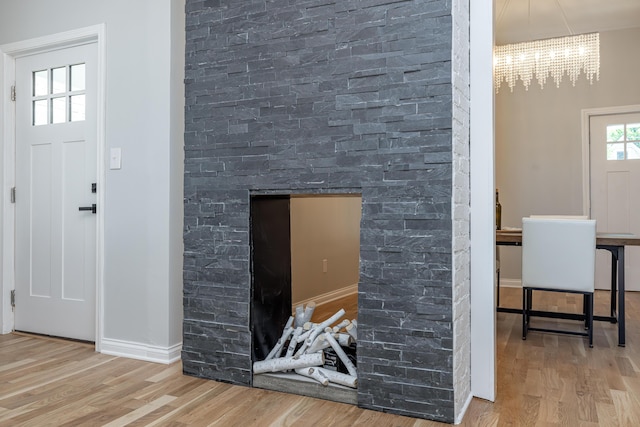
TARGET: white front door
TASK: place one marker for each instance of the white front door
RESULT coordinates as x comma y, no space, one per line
615,188
55,168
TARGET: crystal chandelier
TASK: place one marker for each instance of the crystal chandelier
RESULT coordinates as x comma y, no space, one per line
571,55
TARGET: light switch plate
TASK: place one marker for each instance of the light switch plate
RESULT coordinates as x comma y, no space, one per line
115,159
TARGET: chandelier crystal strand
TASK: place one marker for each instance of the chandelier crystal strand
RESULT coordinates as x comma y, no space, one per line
571,55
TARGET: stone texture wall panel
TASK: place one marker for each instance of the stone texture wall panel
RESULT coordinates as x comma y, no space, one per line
321,97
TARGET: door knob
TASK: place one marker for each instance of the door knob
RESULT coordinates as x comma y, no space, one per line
91,208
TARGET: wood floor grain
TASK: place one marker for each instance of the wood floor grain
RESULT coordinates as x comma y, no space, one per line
547,380
348,303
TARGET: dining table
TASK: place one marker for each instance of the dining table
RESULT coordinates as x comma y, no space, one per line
612,242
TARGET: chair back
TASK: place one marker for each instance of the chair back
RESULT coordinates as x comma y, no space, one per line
559,253
559,216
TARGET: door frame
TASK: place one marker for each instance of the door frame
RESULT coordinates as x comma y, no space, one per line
8,55
586,142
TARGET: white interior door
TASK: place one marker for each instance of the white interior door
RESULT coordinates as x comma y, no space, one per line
615,188
55,168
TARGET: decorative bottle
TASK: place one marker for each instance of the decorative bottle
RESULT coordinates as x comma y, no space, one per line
498,212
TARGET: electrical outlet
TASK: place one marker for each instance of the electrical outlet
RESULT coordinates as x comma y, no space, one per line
324,265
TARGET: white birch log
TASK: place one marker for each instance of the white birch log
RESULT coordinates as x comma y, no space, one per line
308,312
305,335
309,325
304,338
353,331
321,327
288,363
333,319
355,322
315,374
299,316
302,349
275,351
344,340
340,352
318,344
339,377
341,325
289,322
293,342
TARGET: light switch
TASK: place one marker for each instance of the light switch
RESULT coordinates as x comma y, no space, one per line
115,160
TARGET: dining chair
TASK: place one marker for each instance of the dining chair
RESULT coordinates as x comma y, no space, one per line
558,255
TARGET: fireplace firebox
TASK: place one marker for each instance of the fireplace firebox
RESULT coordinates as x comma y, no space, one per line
307,246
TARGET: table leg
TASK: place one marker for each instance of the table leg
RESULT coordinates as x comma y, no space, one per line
621,331
614,281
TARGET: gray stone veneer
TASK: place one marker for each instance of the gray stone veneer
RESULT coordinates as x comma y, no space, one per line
323,96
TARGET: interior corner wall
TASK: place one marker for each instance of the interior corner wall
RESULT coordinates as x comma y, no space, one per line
482,228
139,311
4,288
539,138
176,155
461,208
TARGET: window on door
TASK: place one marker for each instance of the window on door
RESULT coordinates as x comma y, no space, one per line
58,95
623,141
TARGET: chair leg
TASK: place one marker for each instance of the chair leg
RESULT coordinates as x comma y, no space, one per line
590,320
585,303
524,313
498,289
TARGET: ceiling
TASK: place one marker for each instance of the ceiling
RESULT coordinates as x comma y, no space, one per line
520,20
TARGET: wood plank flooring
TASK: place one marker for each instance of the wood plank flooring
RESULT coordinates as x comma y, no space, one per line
348,303
547,380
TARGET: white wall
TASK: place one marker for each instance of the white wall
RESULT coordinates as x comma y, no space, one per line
483,314
4,296
539,140
144,116
324,227
176,113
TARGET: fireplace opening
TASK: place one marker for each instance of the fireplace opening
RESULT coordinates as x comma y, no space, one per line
305,256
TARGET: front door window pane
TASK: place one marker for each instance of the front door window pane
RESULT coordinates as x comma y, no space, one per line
633,132
40,83
615,133
59,80
77,77
40,112
633,150
77,108
59,95
615,151
58,110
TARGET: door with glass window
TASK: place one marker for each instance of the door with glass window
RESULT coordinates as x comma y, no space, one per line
56,192
615,188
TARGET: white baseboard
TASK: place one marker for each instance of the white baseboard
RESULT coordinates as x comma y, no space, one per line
328,297
460,416
510,283
149,353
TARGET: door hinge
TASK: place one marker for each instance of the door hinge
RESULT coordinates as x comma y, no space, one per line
13,92
13,299
13,194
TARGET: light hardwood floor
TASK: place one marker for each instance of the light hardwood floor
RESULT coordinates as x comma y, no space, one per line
550,380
